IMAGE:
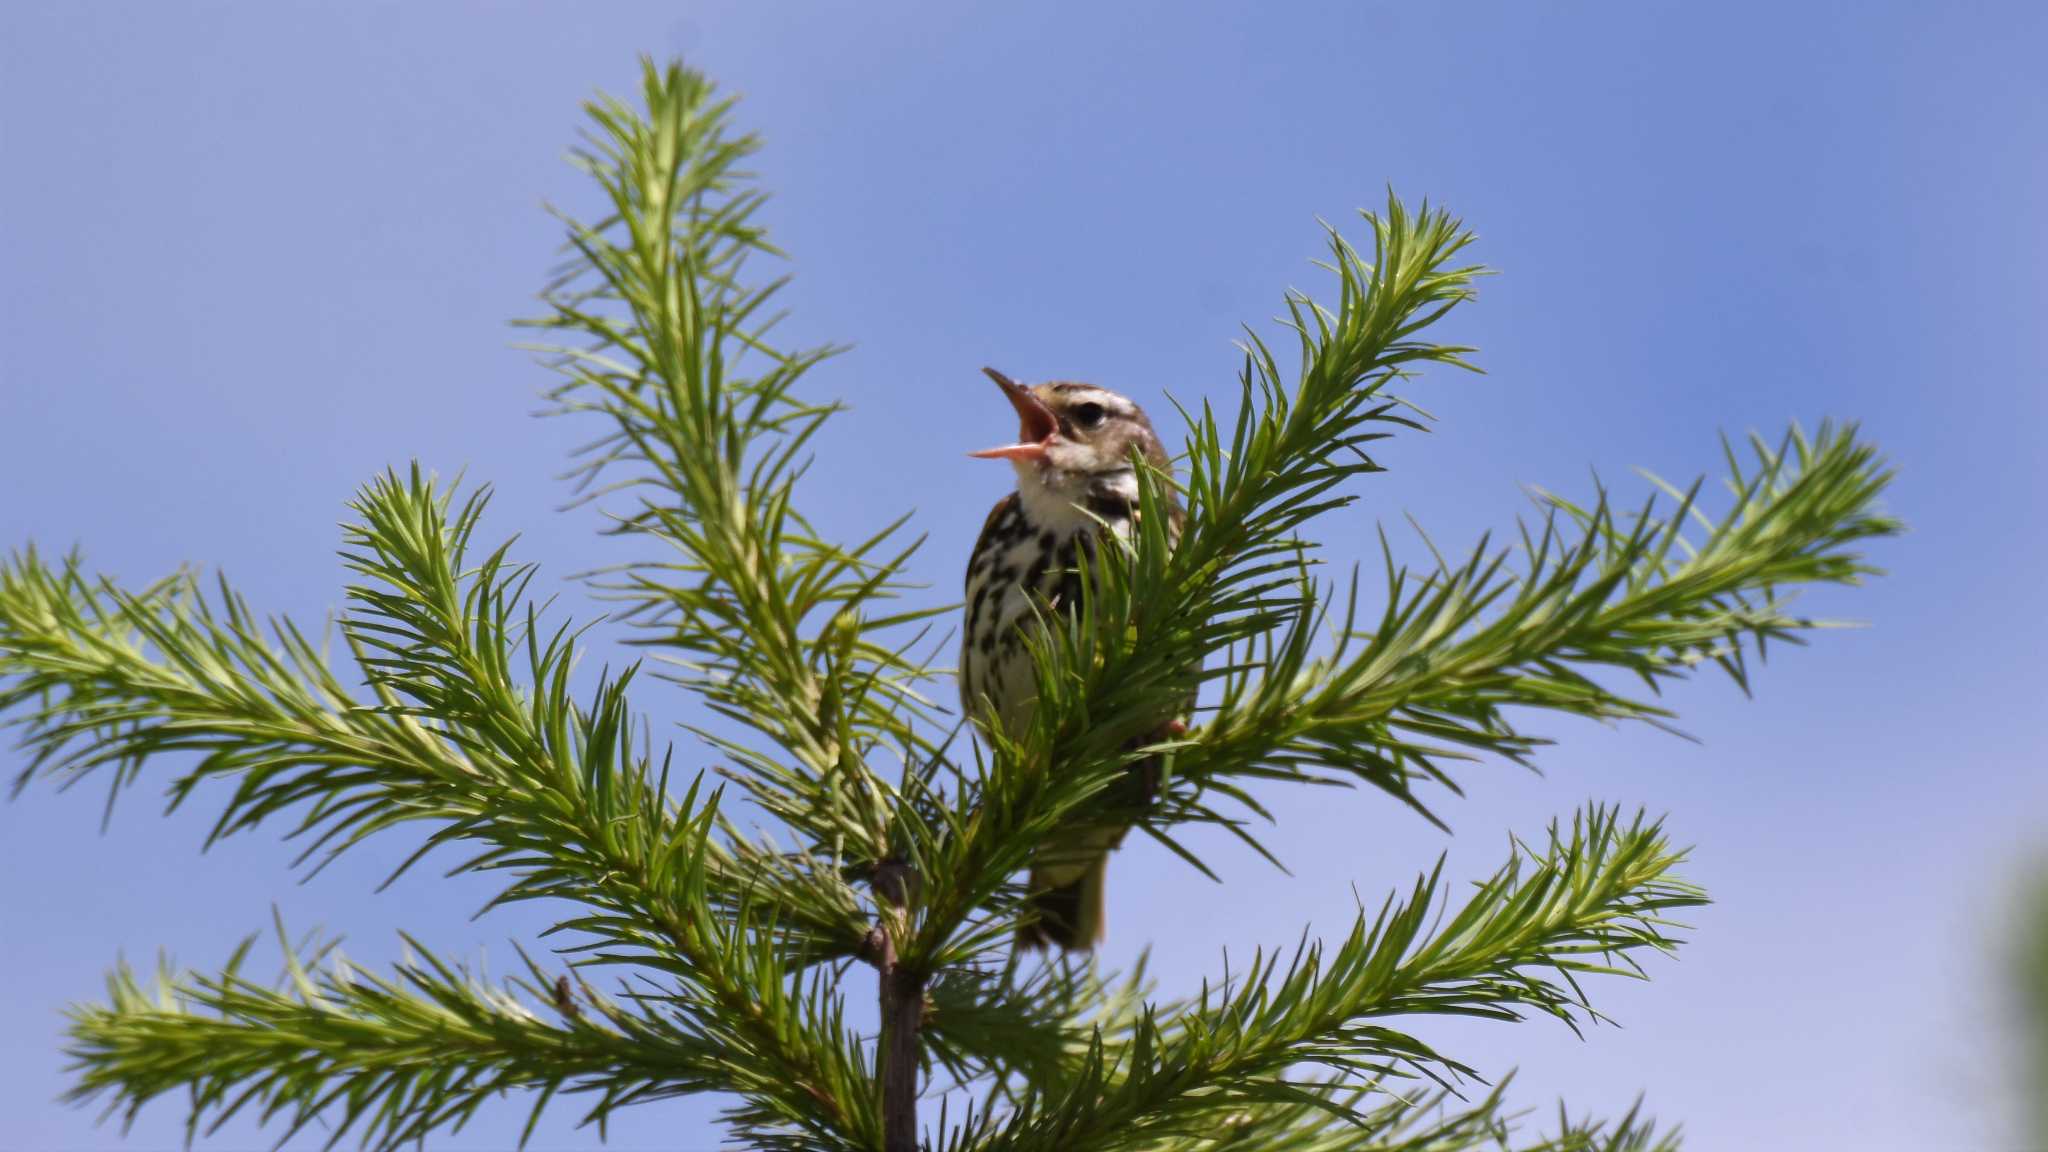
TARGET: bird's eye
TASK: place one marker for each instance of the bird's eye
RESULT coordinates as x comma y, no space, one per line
1088,415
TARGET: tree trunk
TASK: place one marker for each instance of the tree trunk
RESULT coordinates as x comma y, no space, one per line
902,1010
902,1003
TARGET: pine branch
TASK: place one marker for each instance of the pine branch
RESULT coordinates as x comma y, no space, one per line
438,639
1336,1117
1633,1132
100,679
437,650
1452,651
552,794
1519,944
389,1058
1028,1024
777,629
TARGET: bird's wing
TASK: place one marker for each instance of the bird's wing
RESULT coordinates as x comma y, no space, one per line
994,514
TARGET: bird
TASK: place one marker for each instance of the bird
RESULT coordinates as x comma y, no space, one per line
1076,479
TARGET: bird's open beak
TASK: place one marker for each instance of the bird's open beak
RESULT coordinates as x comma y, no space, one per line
1037,423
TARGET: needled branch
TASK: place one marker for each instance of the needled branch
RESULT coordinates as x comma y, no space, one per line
357,1052
1594,900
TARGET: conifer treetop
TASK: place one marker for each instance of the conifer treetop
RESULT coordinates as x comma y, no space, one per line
880,843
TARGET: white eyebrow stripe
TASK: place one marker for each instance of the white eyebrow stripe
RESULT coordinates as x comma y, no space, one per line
1110,401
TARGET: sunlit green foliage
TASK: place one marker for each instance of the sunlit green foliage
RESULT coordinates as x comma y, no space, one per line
887,839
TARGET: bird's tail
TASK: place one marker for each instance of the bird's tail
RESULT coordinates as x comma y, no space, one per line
1066,893
1066,908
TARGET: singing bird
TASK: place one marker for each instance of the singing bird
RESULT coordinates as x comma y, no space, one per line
1075,480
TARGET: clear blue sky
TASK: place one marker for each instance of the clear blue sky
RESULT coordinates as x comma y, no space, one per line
251,254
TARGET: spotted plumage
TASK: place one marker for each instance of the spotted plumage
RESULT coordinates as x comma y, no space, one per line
1075,480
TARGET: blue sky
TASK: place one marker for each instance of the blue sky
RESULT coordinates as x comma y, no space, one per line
249,255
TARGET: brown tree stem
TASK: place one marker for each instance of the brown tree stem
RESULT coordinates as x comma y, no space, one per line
902,1010
902,1003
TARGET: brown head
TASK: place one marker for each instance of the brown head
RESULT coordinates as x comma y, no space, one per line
1074,442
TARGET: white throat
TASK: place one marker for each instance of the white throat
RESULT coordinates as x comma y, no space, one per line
1057,501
